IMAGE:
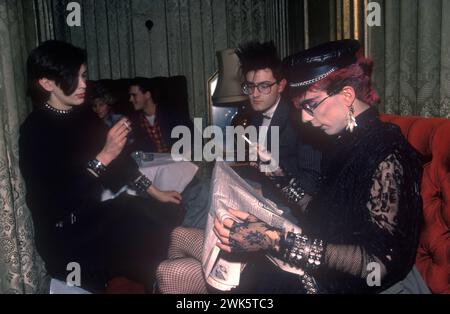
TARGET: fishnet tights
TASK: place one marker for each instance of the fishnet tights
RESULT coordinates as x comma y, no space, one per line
182,273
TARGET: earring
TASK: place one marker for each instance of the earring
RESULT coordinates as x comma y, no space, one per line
351,121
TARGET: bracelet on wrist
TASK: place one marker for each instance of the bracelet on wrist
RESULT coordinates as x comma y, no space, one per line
290,187
300,251
96,167
141,184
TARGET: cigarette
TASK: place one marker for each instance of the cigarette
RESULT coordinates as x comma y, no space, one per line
127,126
246,139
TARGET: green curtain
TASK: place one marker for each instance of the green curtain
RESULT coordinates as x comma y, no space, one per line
183,41
411,51
21,269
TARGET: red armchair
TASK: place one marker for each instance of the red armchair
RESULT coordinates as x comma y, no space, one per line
431,137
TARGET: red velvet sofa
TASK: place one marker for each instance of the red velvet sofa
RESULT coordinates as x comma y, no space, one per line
431,137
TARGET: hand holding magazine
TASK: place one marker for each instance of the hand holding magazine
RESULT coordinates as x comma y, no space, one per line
229,190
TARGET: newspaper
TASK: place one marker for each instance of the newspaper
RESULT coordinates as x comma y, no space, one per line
229,190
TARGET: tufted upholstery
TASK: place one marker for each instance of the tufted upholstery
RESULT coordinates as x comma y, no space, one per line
431,137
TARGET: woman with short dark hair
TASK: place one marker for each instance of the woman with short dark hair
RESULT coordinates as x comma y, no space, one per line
66,163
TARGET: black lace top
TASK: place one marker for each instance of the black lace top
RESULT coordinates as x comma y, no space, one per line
369,209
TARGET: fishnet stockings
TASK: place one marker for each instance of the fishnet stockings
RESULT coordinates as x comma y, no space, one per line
186,242
182,273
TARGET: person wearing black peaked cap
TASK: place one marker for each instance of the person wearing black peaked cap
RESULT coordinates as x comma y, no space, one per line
361,231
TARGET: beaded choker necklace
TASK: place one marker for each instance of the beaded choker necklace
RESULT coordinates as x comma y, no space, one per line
58,111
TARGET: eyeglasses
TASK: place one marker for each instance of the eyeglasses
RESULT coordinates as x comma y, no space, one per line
309,106
263,87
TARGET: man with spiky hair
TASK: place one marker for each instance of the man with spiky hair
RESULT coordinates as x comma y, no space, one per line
264,84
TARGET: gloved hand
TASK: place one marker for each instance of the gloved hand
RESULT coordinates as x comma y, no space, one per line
249,235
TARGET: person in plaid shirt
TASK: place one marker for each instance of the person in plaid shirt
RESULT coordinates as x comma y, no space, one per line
152,124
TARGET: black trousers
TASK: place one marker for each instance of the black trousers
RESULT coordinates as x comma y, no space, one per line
127,236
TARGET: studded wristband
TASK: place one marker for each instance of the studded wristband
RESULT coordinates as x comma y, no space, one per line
96,167
299,250
290,188
141,184
293,191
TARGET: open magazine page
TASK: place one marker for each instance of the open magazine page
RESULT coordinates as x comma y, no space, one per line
229,190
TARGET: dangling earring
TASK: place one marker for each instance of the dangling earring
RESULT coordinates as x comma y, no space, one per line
351,121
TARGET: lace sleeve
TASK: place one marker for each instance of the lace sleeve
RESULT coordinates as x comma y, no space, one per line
383,207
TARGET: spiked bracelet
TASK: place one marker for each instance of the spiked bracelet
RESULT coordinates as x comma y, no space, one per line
309,283
299,250
96,167
293,191
290,188
141,184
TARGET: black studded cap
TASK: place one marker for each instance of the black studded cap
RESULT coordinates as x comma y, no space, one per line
309,66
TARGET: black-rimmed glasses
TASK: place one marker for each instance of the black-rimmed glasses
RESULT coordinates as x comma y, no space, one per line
263,87
309,105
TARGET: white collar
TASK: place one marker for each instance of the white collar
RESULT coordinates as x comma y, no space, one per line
271,111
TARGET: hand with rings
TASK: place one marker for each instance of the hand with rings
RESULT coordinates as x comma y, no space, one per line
250,235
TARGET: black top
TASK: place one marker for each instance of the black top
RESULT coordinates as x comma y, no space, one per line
54,149
369,208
